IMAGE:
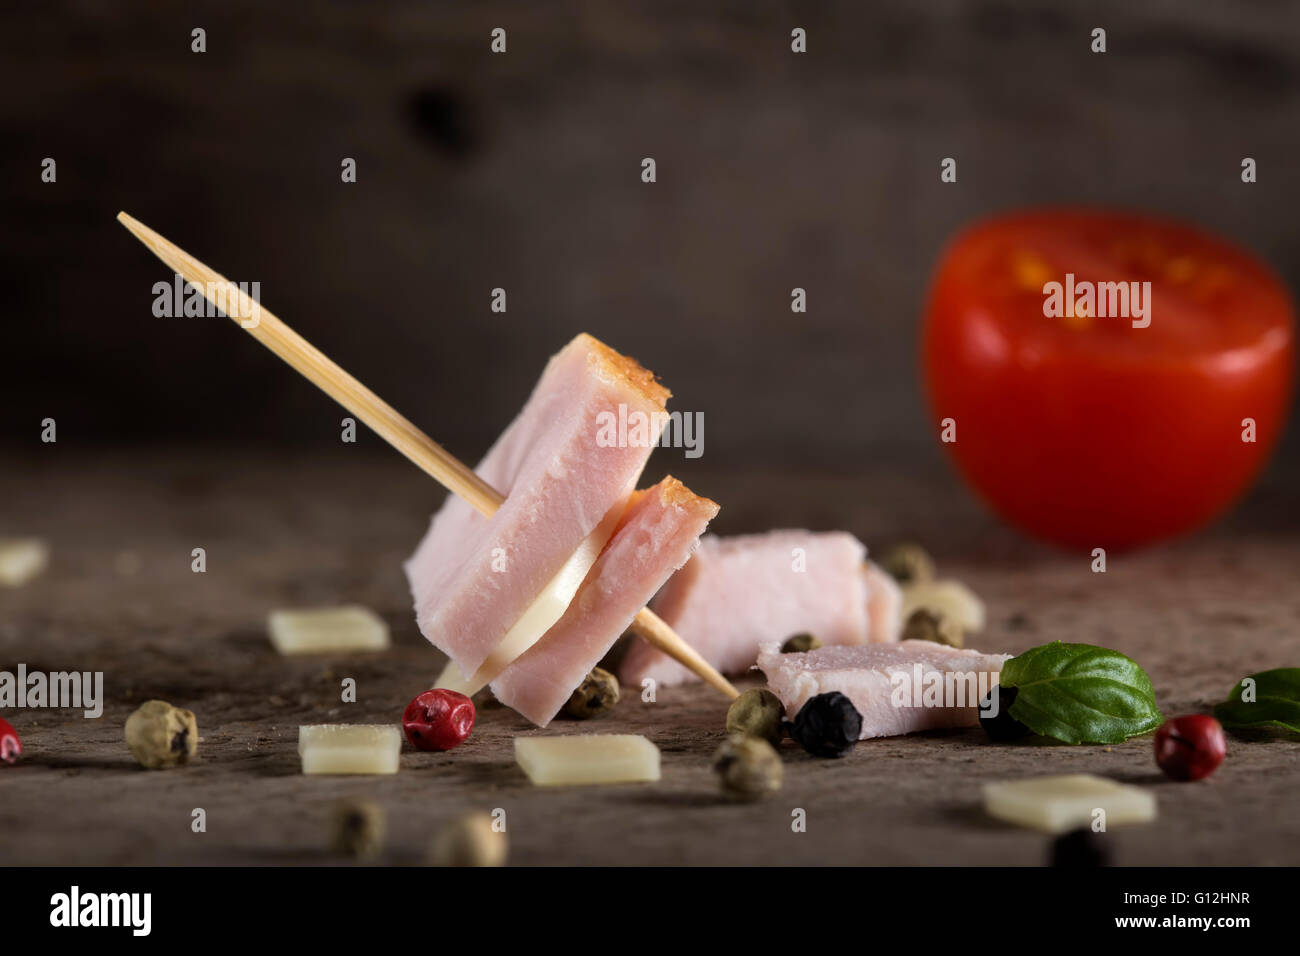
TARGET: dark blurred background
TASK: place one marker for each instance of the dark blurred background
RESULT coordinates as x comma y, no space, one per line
522,171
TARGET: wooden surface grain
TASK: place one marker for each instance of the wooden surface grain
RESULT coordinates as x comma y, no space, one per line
119,597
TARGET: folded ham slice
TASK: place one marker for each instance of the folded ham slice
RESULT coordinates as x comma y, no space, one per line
656,536
739,592
944,684
473,578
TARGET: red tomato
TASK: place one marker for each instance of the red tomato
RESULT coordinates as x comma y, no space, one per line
1083,429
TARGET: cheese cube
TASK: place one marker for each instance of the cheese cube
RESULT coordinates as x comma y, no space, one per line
349,748
587,758
1058,804
21,559
327,630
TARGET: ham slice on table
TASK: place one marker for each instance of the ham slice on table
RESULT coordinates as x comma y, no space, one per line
656,536
472,577
869,675
740,592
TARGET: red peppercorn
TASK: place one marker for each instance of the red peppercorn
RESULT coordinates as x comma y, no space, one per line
1190,748
10,746
438,719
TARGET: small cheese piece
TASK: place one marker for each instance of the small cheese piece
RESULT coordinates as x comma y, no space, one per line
327,630
587,758
349,748
1058,804
22,559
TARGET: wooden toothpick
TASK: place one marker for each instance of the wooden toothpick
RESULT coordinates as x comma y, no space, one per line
383,419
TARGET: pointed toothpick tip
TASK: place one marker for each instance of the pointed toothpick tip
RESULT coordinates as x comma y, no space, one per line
133,225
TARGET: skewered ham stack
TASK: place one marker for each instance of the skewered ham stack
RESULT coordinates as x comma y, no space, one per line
530,591
530,599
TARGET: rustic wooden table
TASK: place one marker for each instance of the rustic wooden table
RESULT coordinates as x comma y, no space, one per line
119,597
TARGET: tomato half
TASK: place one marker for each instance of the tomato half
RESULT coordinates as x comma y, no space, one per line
1079,427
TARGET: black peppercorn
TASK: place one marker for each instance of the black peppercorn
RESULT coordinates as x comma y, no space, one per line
827,725
1079,847
1001,726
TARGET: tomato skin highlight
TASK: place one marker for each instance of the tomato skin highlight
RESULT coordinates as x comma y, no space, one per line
1088,432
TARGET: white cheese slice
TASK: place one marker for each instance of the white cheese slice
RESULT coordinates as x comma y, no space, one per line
452,679
327,629
540,616
22,559
1058,804
349,748
587,758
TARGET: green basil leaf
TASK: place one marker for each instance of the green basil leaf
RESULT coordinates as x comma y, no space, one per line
1275,703
1081,694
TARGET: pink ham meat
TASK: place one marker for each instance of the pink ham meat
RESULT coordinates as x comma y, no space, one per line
866,675
656,536
884,604
559,482
737,593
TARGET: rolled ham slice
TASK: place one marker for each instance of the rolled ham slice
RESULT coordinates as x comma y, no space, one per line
657,534
472,578
867,676
740,592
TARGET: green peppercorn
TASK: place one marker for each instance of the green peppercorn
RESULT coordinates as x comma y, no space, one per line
357,829
160,735
926,625
595,696
470,841
756,713
748,768
800,644
908,564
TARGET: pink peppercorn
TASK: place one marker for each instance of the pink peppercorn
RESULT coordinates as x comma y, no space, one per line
438,719
10,746
1190,748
